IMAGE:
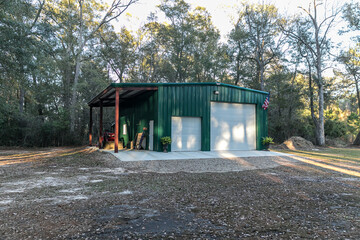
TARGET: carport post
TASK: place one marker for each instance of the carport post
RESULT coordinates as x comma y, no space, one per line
116,120
90,127
101,124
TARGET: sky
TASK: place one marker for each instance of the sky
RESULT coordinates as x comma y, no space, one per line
224,15
223,12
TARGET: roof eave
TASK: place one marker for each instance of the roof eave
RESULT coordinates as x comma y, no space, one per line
179,84
152,86
103,92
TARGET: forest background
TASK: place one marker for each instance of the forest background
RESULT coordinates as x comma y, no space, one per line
55,55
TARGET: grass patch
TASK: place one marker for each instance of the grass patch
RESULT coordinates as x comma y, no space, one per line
340,160
349,155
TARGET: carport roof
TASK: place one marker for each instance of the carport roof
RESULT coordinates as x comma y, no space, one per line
131,90
127,91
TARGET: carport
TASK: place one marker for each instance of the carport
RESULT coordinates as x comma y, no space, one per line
114,96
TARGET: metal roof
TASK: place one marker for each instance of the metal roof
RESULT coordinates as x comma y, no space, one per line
107,96
131,90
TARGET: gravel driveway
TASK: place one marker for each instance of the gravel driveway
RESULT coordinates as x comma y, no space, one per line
208,165
85,194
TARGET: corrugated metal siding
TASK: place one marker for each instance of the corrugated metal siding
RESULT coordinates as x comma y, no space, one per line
184,101
136,114
194,100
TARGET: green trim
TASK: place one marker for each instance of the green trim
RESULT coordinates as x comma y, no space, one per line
182,84
124,85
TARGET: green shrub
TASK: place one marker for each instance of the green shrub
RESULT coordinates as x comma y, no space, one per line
165,140
335,128
267,140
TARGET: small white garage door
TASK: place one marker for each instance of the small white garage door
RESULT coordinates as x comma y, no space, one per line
186,134
233,126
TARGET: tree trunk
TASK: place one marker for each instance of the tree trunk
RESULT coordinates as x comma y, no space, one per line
357,140
320,83
74,94
237,79
312,110
321,128
357,93
21,100
262,85
77,73
67,81
39,106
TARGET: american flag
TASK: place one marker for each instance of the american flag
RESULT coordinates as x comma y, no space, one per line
266,102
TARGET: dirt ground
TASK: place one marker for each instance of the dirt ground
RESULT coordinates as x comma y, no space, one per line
79,193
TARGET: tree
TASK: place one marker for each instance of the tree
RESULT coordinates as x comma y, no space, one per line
352,15
313,35
286,91
119,51
175,39
150,57
240,67
204,48
302,54
18,25
29,79
351,59
184,49
76,22
256,37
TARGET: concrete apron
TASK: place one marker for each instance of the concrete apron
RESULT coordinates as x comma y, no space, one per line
143,155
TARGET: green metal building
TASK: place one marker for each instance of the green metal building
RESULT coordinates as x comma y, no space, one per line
197,116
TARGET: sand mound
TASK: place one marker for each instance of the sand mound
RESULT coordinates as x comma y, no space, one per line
298,143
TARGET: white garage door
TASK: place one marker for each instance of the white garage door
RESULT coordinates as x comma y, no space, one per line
186,134
233,126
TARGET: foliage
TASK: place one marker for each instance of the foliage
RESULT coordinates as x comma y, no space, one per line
55,55
165,140
183,50
353,124
267,140
119,52
341,124
310,35
40,49
352,15
285,104
335,128
256,43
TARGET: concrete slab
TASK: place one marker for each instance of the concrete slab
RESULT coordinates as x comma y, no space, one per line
142,155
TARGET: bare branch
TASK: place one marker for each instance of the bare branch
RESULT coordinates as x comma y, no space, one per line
299,38
328,27
38,13
116,5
